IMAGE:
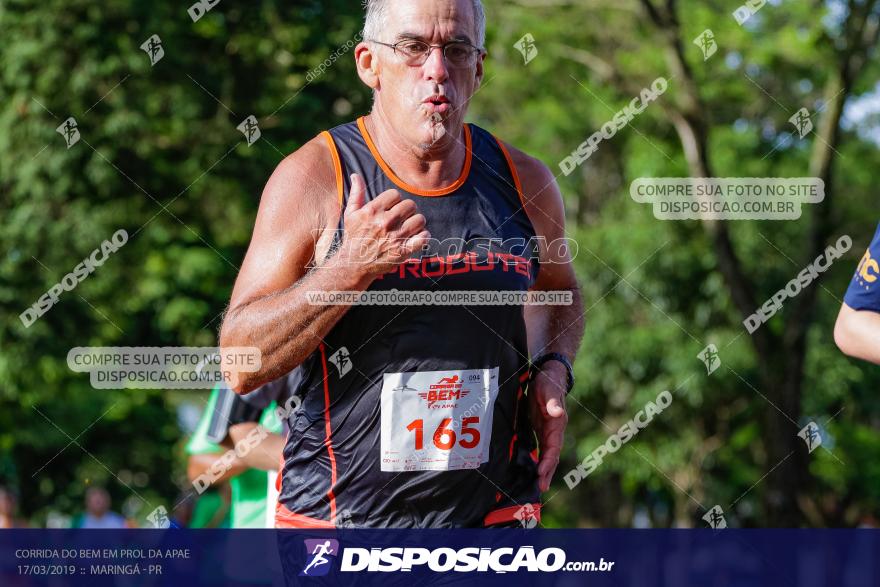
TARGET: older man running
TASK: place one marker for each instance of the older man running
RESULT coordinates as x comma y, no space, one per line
413,415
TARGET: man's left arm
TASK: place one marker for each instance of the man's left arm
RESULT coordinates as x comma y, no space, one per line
551,328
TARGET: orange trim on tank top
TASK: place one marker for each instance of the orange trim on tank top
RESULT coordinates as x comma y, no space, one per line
328,441
514,173
465,170
509,513
337,166
518,184
286,519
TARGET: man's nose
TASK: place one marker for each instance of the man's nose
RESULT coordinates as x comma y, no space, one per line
435,66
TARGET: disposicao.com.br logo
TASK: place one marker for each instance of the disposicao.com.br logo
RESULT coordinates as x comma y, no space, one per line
441,560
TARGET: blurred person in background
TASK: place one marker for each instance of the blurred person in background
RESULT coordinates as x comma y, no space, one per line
7,510
236,422
98,515
857,331
251,475
211,508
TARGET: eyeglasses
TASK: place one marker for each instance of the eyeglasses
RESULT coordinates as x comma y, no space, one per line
457,53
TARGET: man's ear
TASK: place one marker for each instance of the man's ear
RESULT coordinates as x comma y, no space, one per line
480,59
367,65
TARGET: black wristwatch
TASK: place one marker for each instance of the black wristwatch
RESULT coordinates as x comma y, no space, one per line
536,364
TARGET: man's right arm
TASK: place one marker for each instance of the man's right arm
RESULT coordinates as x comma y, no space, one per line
270,308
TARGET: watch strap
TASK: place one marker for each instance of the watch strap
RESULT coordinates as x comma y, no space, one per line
537,363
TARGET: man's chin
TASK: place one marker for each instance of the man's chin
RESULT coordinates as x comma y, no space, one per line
432,131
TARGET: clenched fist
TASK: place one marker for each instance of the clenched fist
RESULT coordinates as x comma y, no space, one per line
381,234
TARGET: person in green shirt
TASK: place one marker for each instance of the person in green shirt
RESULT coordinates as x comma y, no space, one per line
250,489
211,509
252,422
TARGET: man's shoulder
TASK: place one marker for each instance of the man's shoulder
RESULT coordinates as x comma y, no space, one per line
312,162
305,177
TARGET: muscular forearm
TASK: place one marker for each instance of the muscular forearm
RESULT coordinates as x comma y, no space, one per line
556,328
264,456
202,463
857,334
285,327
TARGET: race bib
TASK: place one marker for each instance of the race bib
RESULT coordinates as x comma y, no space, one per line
437,420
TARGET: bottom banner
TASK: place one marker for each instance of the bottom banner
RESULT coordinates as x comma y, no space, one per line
643,558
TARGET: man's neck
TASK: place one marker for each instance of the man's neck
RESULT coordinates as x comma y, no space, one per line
429,168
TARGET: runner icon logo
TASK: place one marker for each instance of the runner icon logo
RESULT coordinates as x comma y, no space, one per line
70,131
810,434
153,48
341,359
321,551
706,43
709,356
159,518
250,128
527,516
715,518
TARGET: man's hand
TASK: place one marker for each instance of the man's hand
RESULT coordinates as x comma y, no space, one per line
293,232
547,411
380,234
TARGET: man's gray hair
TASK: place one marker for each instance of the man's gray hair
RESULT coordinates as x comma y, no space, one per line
376,20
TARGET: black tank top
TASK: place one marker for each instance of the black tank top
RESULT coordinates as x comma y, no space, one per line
397,401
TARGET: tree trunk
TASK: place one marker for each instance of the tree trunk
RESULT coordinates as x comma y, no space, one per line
780,360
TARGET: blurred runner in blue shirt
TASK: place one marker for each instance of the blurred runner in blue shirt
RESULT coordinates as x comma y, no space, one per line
857,331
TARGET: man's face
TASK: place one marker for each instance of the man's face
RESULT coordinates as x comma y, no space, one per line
425,102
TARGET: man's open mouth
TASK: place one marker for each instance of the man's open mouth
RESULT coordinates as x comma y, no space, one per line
437,104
